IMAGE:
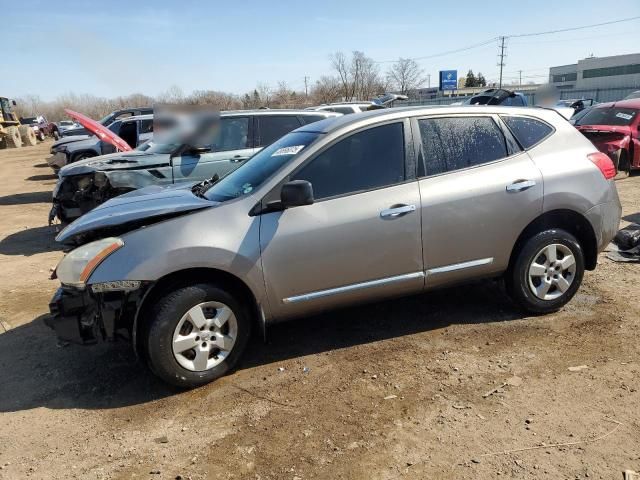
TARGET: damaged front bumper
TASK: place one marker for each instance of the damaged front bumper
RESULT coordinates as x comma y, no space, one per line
57,160
87,317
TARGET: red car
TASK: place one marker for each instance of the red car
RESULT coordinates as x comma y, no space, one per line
613,129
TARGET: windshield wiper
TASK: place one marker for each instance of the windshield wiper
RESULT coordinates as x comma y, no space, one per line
201,188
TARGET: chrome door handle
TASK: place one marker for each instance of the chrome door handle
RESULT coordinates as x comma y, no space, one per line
520,185
238,158
397,211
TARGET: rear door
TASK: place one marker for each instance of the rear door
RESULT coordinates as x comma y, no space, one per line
230,149
478,191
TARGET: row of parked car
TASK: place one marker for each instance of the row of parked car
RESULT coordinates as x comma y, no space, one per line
184,249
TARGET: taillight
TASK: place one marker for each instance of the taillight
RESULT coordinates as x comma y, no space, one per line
604,163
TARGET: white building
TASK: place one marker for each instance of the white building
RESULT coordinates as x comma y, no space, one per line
618,71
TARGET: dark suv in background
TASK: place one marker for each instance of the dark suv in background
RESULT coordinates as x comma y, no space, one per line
109,119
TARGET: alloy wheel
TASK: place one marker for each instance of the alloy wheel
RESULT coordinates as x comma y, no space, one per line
205,336
552,271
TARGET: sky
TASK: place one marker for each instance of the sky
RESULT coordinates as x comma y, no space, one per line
121,47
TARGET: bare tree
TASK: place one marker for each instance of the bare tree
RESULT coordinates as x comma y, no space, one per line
265,94
345,75
405,75
359,77
326,90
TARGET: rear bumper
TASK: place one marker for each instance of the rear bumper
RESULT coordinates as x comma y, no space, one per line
605,218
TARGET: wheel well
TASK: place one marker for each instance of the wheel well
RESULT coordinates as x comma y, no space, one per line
569,220
229,282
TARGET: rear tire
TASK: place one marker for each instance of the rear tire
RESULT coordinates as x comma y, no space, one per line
547,271
12,138
195,334
28,135
623,167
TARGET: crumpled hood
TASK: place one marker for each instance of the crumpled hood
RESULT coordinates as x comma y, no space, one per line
113,161
133,210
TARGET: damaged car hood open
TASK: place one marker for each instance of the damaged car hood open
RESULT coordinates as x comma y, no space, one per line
133,210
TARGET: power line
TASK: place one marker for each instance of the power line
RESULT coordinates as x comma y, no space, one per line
487,42
500,38
549,32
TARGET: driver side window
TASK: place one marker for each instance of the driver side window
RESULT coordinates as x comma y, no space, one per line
366,160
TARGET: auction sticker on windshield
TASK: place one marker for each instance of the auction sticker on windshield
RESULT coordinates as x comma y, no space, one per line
624,116
287,150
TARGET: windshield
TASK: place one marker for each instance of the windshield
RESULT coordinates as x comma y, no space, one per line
608,116
28,120
260,167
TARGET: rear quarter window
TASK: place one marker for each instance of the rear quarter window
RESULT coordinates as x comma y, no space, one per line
528,131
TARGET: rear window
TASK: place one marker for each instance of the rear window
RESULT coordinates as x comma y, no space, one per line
456,143
608,116
528,131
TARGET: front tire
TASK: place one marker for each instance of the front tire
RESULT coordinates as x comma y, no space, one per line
195,335
547,271
12,137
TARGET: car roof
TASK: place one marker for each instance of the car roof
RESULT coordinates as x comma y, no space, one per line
146,116
276,111
125,110
374,116
234,113
630,103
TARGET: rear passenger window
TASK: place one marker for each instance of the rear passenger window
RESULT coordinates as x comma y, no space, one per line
528,131
450,144
366,160
273,127
146,126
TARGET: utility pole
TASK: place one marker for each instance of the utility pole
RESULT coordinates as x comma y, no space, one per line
428,80
306,89
501,55
520,72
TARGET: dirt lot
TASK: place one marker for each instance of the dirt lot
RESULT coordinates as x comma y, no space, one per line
393,390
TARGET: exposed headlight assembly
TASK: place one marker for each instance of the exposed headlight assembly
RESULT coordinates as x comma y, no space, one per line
84,182
78,265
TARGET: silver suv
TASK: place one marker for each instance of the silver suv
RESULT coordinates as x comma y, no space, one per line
356,209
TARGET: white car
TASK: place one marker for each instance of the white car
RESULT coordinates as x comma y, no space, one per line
356,107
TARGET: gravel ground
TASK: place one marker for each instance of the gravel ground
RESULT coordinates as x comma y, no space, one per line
452,384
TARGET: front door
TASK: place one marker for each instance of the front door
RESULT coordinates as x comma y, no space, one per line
478,192
360,240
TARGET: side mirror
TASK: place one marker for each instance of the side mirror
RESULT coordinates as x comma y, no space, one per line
296,193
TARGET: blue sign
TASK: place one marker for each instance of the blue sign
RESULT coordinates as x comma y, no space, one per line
448,79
